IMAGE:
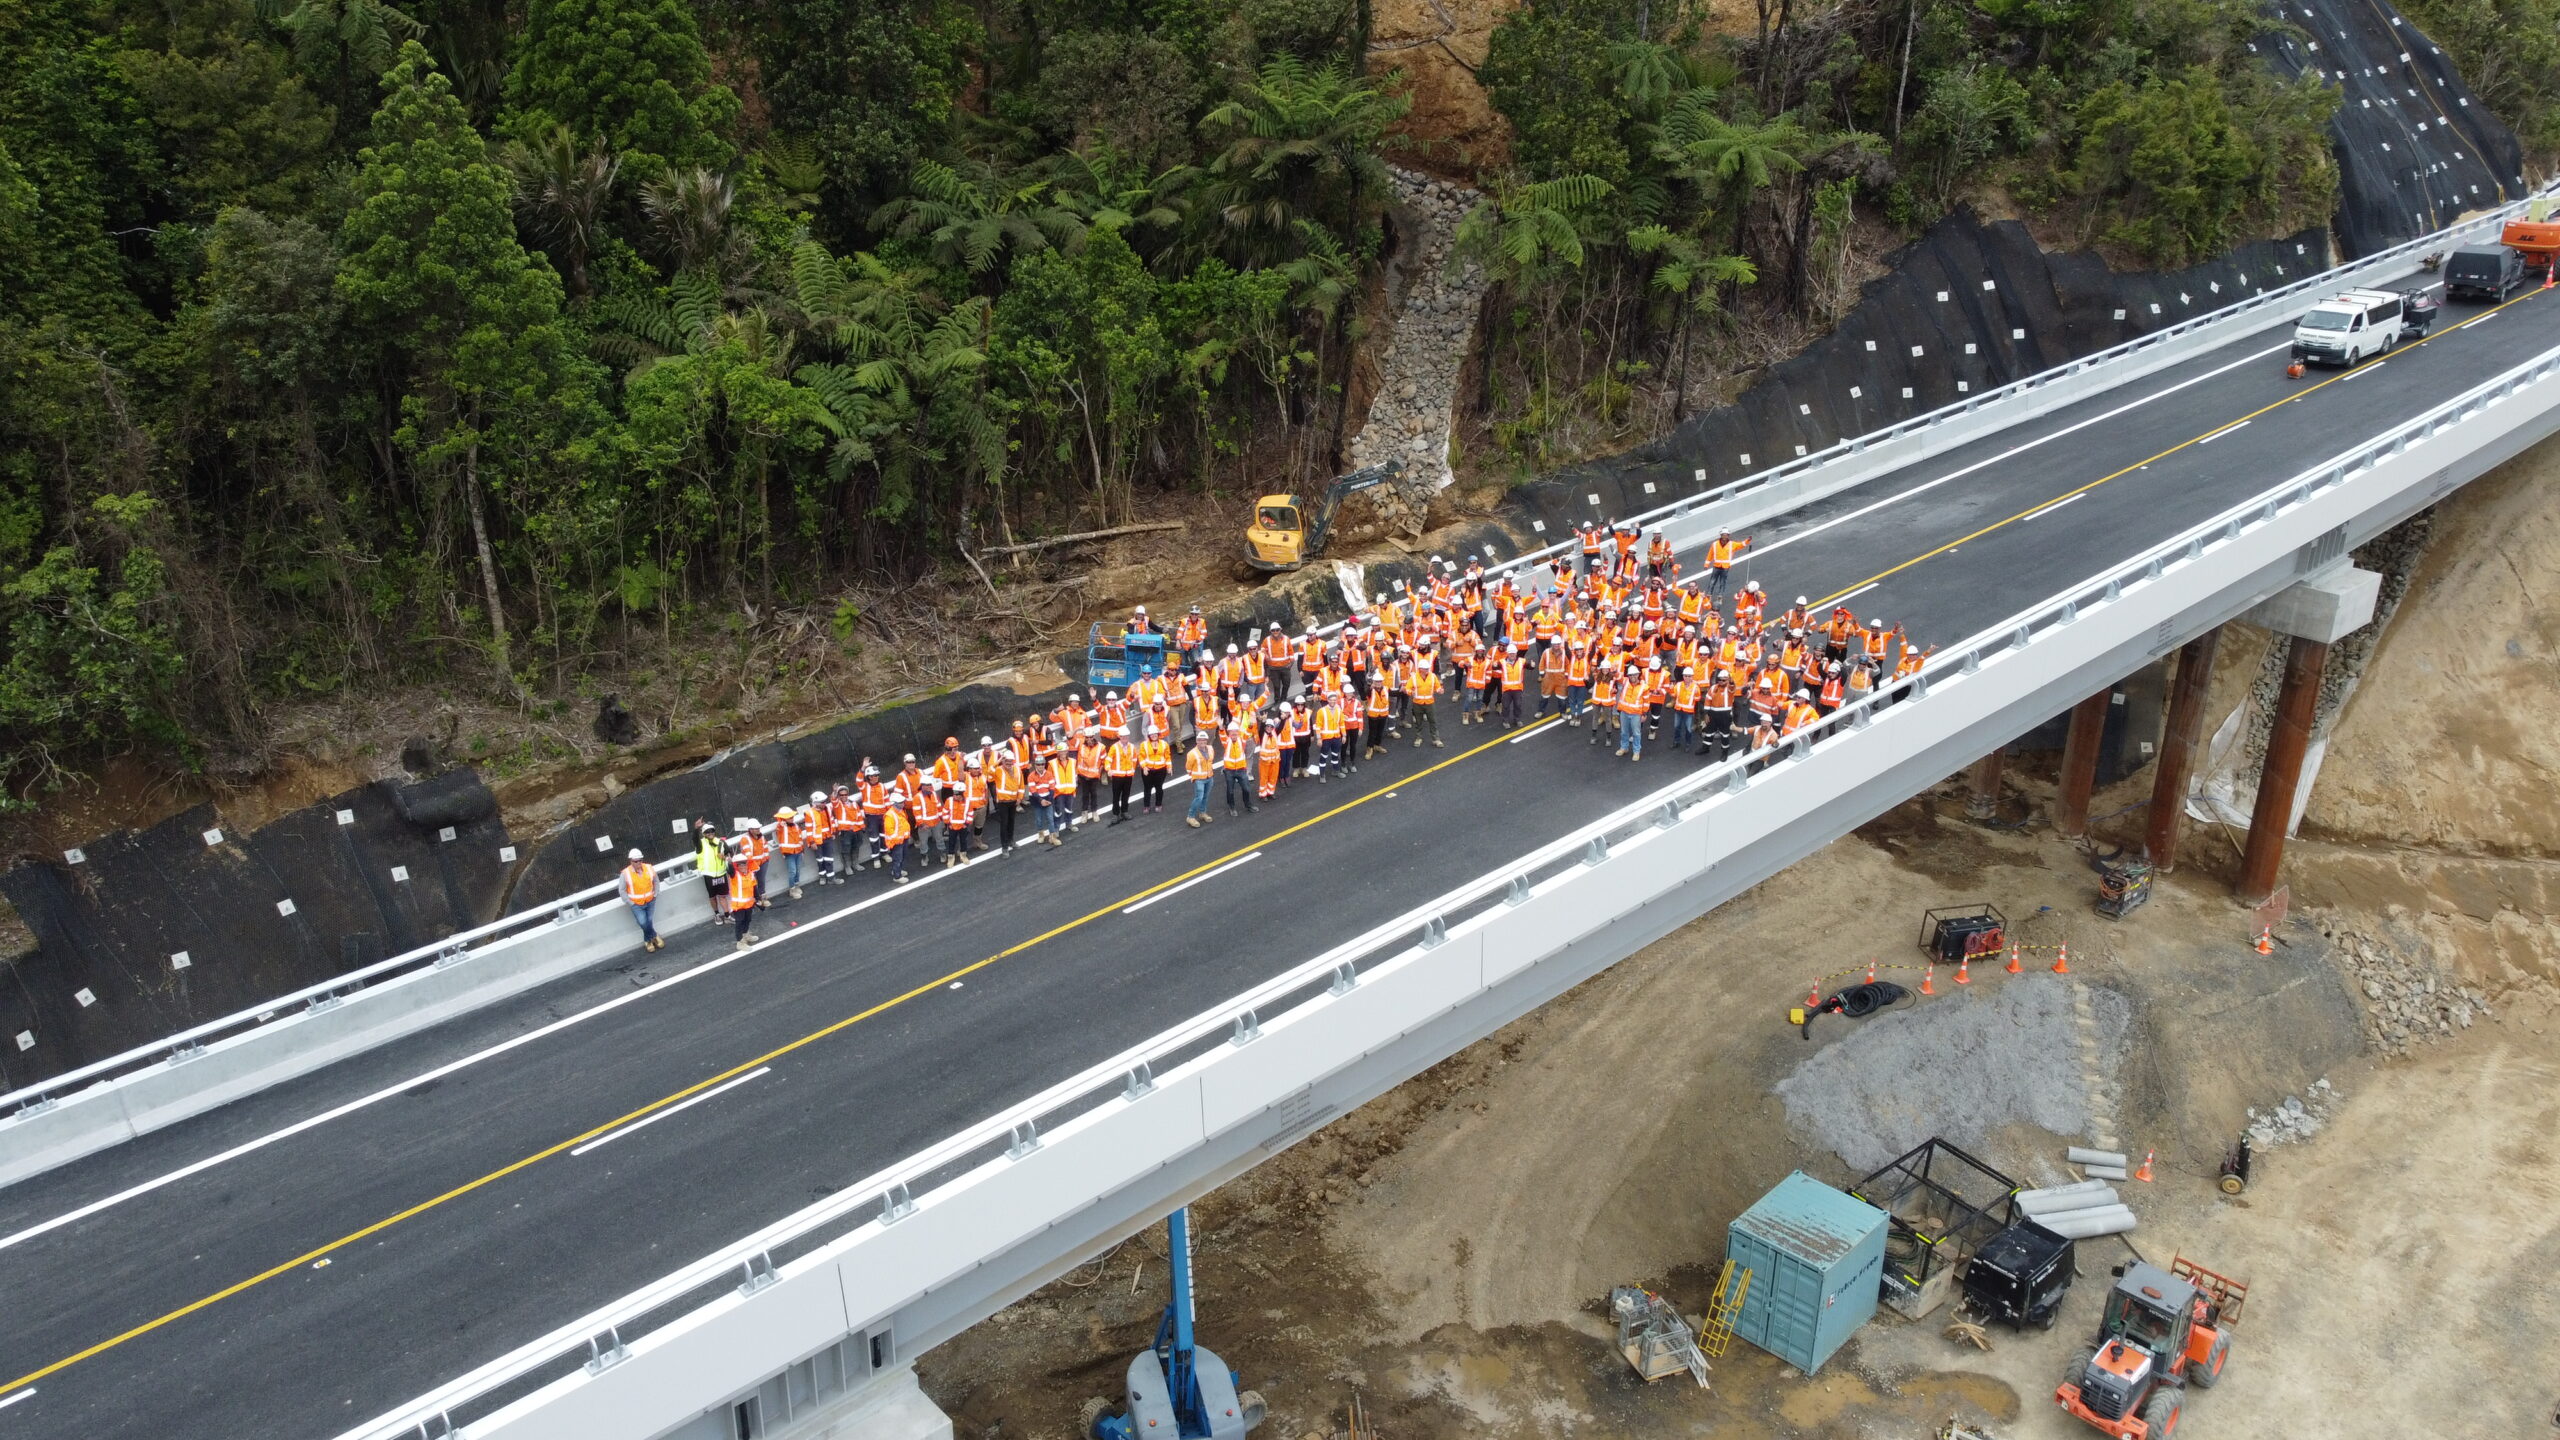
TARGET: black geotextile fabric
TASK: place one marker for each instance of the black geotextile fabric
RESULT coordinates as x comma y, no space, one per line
1966,308
2416,149
376,884
750,783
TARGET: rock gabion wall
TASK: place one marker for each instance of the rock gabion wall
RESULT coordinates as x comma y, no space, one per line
1434,324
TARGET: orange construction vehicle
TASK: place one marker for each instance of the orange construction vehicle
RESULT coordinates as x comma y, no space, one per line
2538,241
2163,1331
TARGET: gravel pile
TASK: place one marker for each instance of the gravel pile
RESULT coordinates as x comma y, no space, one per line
1418,374
2407,1002
1965,1066
2293,1121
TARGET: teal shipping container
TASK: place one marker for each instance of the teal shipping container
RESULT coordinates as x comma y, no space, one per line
1816,1258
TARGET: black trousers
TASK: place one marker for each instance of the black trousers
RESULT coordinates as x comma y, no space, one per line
1004,822
1152,789
1120,797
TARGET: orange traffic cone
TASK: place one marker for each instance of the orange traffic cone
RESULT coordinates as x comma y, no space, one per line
1929,980
2014,967
1815,998
2266,943
2062,961
2143,1173
1963,962
1871,972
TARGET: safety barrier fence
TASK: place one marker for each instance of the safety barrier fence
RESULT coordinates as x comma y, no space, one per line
652,1359
1768,491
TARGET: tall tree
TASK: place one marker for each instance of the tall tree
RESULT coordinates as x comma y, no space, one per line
472,343
631,74
1300,141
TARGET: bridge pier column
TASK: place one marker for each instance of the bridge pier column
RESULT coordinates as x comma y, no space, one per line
2080,764
2315,612
2297,705
1982,786
2178,749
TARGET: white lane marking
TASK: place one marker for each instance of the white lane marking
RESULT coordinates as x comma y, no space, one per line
1854,594
324,1117
2226,430
2058,504
2364,370
1542,728
14,1399
1760,552
1187,884
686,1104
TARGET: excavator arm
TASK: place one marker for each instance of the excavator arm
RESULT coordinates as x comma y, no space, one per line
1343,487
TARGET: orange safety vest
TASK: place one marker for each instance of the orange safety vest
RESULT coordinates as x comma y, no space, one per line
1122,759
1275,647
742,887
1684,696
1604,691
1800,713
1635,697
1198,763
1062,774
755,849
928,808
1479,670
786,834
1235,757
843,814
1577,668
1089,760
1008,784
1379,700
894,828
639,882
1515,673
1875,640
1328,722
815,824
1425,685
1155,755
875,797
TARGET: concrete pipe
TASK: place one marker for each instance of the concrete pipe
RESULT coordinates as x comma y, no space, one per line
2054,1192
2104,1172
2082,1155
2084,1224
2098,1199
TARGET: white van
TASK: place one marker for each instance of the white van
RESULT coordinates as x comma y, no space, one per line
2353,327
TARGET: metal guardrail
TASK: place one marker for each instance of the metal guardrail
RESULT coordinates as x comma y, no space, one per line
891,1193
184,1045
42,1095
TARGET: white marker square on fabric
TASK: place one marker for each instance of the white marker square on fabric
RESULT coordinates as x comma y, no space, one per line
85,996
284,907
507,854
74,856
604,844
399,874
346,817
26,1039
212,838
446,834
181,960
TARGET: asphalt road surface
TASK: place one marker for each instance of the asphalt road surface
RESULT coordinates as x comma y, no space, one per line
304,1259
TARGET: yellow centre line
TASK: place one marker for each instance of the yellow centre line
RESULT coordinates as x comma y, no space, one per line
2043,505
734,1071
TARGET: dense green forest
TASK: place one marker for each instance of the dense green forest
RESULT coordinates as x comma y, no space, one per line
346,343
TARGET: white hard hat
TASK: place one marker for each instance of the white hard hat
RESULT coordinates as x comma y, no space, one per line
1114,695
1231,649
989,739
817,797
909,757
635,852
1142,609
1802,601
1875,624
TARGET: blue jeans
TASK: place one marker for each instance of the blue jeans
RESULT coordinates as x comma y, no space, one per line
1199,799
1631,733
645,911
1683,730
791,867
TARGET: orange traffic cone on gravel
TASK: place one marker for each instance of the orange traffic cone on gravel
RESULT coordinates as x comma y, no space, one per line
2062,961
1963,962
1929,980
1815,998
2014,967
1871,972
2266,942
2143,1173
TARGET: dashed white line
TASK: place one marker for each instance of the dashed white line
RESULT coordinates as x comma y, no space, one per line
2363,370
686,1104
1854,594
2058,504
14,1399
1187,884
2226,430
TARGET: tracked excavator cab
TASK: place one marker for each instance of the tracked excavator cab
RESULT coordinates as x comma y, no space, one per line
1277,538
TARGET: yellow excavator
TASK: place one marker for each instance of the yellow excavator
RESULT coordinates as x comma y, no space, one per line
1284,536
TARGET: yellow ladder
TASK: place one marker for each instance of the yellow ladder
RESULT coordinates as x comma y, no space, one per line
1716,1335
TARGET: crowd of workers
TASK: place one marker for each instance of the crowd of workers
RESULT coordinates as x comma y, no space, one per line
1619,643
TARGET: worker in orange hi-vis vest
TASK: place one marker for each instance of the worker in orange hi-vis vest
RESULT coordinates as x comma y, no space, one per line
753,851
1515,682
790,840
640,892
895,832
1120,763
1200,764
1235,754
1266,762
844,822
1422,693
1005,789
1155,766
742,896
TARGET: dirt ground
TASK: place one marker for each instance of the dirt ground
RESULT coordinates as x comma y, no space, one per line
1444,1254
